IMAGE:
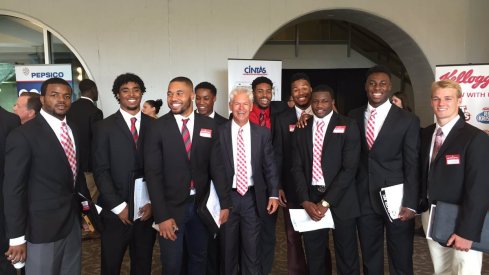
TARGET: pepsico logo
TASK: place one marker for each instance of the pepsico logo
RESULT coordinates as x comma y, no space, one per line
25,71
483,117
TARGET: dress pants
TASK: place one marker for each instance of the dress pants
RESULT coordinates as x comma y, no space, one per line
92,188
317,252
448,261
213,255
296,259
240,236
267,242
400,237
192,234
62,257
116,237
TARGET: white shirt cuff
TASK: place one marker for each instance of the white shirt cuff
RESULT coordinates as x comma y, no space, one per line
118,209
17,241
275,198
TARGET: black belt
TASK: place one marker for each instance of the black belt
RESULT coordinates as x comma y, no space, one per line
249,188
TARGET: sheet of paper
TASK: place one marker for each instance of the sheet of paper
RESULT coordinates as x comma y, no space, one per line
431,221
213,204
392,200
303,223
141,196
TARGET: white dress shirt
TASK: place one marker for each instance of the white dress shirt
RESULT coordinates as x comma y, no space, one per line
445,129
298,111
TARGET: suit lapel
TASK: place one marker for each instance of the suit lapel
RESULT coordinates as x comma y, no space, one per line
390,120
450,138
195,135
228,144
309,139
329,132
119,119
255,145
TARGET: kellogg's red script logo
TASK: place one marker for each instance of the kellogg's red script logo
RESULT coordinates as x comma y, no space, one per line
466,77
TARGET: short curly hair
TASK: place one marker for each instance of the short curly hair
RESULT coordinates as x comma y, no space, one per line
126,78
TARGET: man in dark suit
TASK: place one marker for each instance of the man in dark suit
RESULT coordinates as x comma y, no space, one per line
8,122
284,127
251,170
325,159
205,97
41,186
119,174
454,157
84,114
389,156
182,155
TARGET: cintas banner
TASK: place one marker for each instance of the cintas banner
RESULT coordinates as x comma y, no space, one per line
474,80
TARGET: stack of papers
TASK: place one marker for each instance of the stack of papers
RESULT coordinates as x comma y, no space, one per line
391,198
303,223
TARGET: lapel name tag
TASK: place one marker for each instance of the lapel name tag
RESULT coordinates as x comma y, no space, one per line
291,128
339,129
452,159
207,133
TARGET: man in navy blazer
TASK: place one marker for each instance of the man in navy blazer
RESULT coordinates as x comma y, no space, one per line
389,156
118,167
251,171
182,155
454,158
41,186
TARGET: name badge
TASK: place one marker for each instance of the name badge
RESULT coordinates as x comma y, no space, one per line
452,159
85,205
207,133
339,129
291,128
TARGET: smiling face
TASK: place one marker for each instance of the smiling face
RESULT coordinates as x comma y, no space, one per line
322,103
241,106
204,100
130,95
262,95
301,93
180,96
57,100
445,104
378,88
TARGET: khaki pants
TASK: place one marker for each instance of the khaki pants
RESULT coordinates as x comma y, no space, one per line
92,188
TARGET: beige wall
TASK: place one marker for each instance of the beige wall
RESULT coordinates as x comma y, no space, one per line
159,40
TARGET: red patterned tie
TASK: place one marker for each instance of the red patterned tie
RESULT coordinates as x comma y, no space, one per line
261,119
188,144
134,130
242,172
438,143
370,134
317,151
69,149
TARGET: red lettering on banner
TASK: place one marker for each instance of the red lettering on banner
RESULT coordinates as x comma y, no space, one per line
466,77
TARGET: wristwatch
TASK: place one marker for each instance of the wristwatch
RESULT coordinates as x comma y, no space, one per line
325,203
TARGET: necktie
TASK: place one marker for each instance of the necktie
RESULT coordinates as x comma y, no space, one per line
69,149
134,131
261,118
370,134
242,173
438,143
317,150
188,144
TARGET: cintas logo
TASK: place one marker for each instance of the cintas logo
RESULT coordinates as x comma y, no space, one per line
255,70
466,77
483,117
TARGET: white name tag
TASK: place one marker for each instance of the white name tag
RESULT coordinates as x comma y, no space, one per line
452,159
207,133
291,127
339,129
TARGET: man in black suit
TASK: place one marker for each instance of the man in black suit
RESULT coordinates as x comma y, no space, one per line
325,158
119,174
182,155
389,156
454,157
27,106
284,127
8,122
251,170
84,114
41,186
205,97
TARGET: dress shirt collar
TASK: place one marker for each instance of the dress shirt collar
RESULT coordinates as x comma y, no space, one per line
127,116
447,127
326,120
298,111
179,117
382,109
235,127
87,98
53,121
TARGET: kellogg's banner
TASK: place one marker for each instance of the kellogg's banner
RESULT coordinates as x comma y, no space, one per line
241,72
30,77
474,80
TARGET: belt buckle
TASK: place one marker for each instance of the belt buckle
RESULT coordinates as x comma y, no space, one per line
321,188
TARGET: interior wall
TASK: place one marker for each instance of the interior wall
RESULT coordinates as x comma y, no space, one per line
159,40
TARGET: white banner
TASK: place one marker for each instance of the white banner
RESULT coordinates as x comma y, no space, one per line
241,72
30,77
474,80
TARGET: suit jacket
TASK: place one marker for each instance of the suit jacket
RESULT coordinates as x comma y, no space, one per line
393,159
464,183
265,174
220,119
40,196
276,109
168,170
117,162
84,114
339,162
